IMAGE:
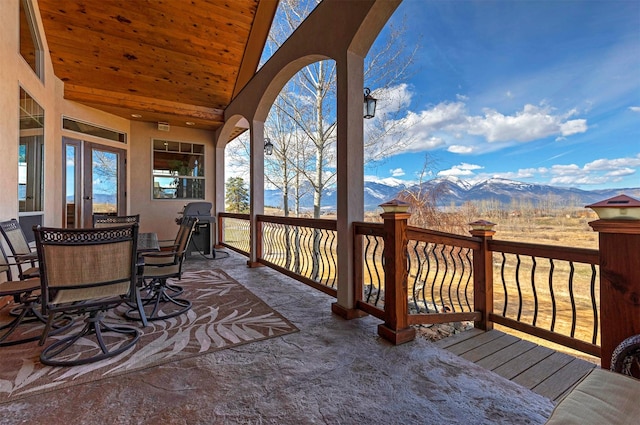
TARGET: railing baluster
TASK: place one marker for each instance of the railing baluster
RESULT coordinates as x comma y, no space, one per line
444,276
416,277
593,304
518,287
368,266
435,276
504,285
574,315
533,288
332,244
425,250
552,294
469,277
461,263
453,275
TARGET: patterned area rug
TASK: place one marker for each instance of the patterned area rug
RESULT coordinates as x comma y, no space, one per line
224,314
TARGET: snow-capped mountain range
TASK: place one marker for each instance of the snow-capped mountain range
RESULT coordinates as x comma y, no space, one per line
456,191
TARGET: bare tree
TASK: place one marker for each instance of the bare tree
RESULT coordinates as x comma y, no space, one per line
309,102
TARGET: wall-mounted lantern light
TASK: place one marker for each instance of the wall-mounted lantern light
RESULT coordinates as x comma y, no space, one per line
369,104
268,146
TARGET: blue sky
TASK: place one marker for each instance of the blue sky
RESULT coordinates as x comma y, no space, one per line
536,91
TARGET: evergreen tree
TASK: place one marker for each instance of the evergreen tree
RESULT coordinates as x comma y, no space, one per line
237,196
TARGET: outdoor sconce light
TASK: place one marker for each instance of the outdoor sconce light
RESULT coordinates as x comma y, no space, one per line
268,146
621,207
369,104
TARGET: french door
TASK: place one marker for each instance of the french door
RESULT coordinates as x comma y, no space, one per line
94,182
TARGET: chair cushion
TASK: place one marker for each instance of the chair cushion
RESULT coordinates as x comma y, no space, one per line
602,397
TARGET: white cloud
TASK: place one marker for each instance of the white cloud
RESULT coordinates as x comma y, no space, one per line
634,108
393,99
449,125
460,149
532,123
600,171
612,164
623,172
397,172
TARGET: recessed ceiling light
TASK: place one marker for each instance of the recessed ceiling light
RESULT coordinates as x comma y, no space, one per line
190,123
136,115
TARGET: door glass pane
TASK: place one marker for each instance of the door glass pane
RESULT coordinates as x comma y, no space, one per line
105,182
70,179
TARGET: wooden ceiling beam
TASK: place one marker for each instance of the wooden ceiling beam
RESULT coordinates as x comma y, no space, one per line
139,103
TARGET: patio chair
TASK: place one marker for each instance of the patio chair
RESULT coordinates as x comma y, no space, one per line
25,308
25,257
626,357
160,297
605,396
103,220
22,309
87,271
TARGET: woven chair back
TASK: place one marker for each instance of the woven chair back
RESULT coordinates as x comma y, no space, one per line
86,264
102,221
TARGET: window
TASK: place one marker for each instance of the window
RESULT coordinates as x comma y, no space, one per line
93,130
30,154
30,44
178,170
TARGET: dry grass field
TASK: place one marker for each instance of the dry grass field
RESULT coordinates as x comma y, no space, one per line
561,230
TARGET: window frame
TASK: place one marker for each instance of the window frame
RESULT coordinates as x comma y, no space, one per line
193,149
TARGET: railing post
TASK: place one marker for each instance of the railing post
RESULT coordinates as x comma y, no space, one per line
395,328
483,273
619,242
220,231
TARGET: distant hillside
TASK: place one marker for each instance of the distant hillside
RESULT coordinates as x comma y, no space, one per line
456,191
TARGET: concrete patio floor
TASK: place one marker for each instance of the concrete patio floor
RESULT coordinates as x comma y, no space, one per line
330,372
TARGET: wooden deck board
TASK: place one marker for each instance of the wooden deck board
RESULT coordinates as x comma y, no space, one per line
541,369
524,361
490,348
503,356
471,343
564,379
456,338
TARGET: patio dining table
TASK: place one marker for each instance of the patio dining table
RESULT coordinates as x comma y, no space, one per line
148,242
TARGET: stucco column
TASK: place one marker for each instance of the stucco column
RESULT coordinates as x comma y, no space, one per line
350,176
256,187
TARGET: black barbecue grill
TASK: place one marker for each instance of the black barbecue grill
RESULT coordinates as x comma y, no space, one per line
201,239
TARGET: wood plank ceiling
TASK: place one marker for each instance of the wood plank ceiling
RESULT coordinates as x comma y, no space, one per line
173,61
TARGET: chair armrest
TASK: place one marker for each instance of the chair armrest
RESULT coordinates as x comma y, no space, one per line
23,258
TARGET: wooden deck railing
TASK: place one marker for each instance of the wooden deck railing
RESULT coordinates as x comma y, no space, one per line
302,248
233,232
547,291
408,276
